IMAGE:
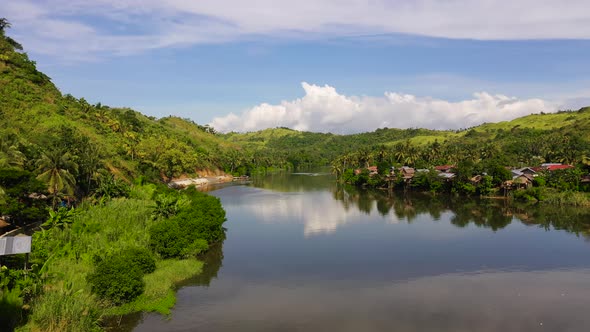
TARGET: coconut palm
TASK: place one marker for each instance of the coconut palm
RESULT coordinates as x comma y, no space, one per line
54,167
10,155
2,196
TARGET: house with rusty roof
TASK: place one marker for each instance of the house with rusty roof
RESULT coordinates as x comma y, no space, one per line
407,173
557,167
444,168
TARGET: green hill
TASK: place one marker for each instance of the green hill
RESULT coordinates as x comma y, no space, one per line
37,121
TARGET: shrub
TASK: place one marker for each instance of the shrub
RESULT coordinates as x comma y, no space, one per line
166,239
141,258
197,247
530,194
190,231
203,217
167,205
117,279
170,240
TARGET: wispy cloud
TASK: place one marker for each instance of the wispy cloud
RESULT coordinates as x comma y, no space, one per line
323,109
80,28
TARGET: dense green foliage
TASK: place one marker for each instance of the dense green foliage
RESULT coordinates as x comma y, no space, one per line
18,185
141,258
77,148
97,261
191,229
117,278
71,145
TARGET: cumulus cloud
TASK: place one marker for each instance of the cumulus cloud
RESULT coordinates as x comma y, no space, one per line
107,27
323,109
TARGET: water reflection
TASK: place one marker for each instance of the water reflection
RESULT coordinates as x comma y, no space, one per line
491,213
212,260
499,301
320,213
309,257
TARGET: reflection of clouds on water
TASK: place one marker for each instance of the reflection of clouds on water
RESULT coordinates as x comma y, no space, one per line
320,213
486,302
317,211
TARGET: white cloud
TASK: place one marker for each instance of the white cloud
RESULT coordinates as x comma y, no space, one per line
323,109
106,27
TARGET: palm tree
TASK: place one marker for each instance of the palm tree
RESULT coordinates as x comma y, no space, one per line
2,196
10,155
54,167
89,162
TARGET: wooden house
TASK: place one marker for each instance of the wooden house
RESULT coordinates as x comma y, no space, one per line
476,179
523,181
407,172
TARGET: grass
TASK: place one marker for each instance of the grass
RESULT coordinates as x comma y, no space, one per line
538,121
64,310
10,308
68,304
567,198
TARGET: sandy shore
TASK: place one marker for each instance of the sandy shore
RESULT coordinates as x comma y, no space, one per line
199,182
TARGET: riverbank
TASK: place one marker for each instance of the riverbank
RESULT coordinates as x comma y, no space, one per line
200,181
64,257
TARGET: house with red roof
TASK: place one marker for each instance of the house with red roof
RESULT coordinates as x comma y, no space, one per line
551,168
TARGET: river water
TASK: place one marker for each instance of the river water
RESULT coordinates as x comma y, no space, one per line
303,254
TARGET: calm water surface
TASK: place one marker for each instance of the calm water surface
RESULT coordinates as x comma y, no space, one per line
303,254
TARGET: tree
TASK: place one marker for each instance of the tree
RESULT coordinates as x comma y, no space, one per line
90,163
4,24
18,202
55,166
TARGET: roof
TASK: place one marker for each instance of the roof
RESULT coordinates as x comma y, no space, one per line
521,171
522,179
557,167
446,175
407,169
443,168
526,169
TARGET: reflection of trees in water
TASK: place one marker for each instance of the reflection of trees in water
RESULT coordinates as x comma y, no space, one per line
495,214
213,260
482,213
572,219
295,182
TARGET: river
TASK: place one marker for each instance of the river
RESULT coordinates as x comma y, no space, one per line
304,254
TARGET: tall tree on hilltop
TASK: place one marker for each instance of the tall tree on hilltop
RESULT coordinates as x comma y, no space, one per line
4,24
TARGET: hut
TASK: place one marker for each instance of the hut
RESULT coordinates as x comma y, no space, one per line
522,182
476,179
407,172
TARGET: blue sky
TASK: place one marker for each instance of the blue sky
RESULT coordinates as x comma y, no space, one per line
340,66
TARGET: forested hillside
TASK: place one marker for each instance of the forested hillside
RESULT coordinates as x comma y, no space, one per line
558,137
72,146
